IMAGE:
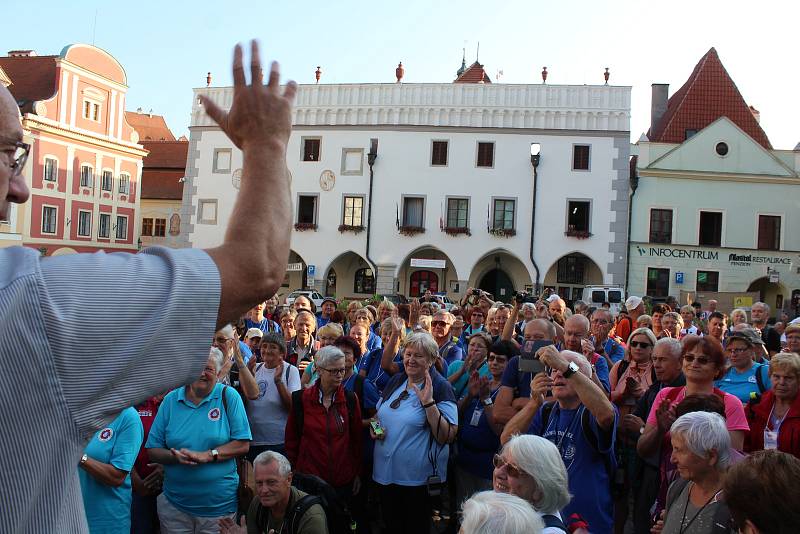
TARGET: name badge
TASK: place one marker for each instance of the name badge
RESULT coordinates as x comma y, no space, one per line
770,439
476,417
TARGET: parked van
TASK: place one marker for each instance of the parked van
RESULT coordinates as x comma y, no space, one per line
596,295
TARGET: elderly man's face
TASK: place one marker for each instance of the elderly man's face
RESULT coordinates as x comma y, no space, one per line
759,313
328,308
666,365
557,307
223,342
601,324
12,189
716,327
440,325
575,331
271,487
528,311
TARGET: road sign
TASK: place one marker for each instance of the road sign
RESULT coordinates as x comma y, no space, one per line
678,278
293,267
311,270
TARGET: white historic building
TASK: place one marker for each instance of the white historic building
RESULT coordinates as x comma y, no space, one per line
445,201
714,205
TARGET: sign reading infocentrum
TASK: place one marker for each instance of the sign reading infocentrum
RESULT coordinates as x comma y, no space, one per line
666,252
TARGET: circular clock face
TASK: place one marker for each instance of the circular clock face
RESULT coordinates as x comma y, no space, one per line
327,180
236,179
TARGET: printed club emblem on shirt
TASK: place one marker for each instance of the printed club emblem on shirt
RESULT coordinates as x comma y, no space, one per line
105,434
213,414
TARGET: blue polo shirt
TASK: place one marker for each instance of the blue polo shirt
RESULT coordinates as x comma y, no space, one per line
206,490
374,341
513,378
371,364
108,509
460,385
742,385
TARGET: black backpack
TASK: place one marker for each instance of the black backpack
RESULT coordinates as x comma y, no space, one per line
319,492
552,521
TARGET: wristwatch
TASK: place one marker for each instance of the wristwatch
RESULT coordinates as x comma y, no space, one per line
214,455
84,458
487,401
571,370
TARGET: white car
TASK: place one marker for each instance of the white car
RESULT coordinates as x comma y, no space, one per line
448,304
313,296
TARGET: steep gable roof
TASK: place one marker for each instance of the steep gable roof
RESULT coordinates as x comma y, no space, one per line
707,95
149,127
33,78
475,73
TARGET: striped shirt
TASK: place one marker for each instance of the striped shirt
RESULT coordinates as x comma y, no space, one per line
81,338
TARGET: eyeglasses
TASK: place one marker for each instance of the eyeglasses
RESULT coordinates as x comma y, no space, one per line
20,158
512,470
499,359
736,352
210,370
221,340
396,403
640,345
701,360
337,371
438,323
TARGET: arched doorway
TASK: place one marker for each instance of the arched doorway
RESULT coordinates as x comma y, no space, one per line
570,274
498,284
771,293
422,281
330,282
295,277
349,276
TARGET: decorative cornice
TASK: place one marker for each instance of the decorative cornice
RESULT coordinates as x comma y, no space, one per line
718,176
558,107
46,125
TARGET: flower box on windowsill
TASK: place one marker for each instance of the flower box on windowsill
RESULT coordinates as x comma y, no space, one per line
503,232
580,234
456,230
350,228
302,227
411,230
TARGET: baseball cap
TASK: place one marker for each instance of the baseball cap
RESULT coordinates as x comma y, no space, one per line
632,302
553,297
253,332
328,299
748,335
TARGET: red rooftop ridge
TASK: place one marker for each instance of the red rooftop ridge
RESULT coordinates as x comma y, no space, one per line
475,73
707,95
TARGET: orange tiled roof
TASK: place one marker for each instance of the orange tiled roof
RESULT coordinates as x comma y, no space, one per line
162,185
707,95
163,168
165,154
149,127
475,73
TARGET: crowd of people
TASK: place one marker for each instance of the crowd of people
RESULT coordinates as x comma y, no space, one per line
522,417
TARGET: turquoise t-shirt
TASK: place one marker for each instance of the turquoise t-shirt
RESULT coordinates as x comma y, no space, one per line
108,509
741,385
460,385
206,490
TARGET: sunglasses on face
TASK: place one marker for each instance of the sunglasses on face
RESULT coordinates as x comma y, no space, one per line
438,323
498,359
396,403
511,469
640,344
701,360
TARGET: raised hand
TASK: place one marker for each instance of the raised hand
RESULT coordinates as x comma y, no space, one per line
227,526
665,415
540,386
259,115
425,395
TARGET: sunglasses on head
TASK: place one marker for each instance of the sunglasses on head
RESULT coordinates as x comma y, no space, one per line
511,469
640,344
701,360
396,403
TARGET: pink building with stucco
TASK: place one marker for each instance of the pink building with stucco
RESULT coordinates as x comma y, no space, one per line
85,164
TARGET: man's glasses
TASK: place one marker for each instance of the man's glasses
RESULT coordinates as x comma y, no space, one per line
701,360
438,323
511,469
640,344
736,352
20,157
221,340
396,403
337,371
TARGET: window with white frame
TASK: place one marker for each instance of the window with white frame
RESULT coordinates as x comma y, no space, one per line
503,218
50,169
104,228
107,181
49,219
91,110
160,228
353,211
124,183
87,176
222,160
413,212
122,227
84,223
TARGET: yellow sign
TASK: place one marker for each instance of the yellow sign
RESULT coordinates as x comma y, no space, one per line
742,302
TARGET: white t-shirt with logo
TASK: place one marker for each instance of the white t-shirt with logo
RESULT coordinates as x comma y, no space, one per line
266,414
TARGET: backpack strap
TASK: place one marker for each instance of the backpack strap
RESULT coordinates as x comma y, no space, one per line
297,410
358,388
286,376
300,508
594,442
547,409
760,379
350,400
552,521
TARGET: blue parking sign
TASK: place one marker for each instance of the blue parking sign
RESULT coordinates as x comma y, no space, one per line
311,270
678,278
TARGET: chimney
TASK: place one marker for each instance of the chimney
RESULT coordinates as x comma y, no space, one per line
658,104
22,53
756,114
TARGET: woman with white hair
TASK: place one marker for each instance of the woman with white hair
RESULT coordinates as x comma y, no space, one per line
488,512
417,420
701,450
531,468
199,431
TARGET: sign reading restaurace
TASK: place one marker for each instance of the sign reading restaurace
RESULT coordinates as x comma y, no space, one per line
429,264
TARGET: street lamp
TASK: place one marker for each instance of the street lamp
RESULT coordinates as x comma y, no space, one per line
536,149
139,244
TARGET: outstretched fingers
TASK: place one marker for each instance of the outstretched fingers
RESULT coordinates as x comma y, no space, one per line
256,73
238,69
291,91
214,111
274,76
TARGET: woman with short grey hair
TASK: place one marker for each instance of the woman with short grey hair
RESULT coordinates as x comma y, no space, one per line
701,450
531,468
488,512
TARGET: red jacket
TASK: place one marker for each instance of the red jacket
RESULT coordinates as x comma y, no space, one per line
331,442
789,435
